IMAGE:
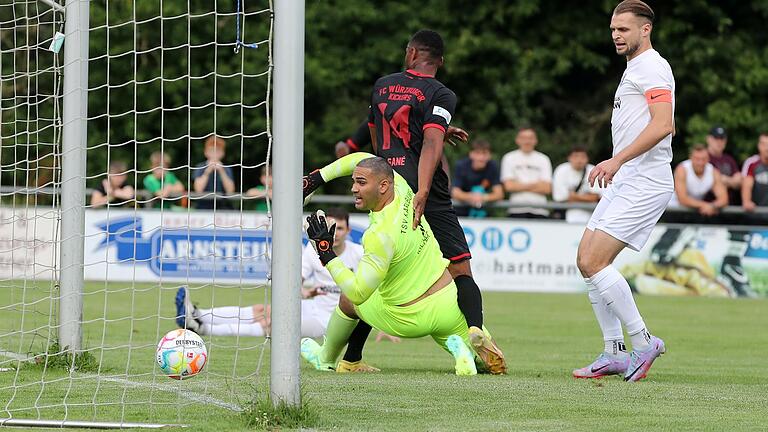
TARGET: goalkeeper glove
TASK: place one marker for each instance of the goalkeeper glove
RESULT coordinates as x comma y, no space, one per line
311,182
321,236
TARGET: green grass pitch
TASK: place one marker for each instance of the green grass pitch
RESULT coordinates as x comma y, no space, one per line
713,377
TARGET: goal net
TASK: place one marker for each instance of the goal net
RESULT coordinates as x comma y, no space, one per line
177,195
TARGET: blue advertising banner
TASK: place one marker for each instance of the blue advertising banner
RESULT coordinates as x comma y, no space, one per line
225,247
151,246
507,254
540,256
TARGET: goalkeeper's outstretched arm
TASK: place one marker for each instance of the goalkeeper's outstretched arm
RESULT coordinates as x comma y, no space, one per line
373,267
338,168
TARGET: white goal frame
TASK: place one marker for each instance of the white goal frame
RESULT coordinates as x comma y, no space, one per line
288,132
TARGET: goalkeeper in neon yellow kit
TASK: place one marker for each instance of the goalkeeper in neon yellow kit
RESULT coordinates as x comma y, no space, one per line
402,285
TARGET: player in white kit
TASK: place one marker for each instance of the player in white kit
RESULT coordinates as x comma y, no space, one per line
639,184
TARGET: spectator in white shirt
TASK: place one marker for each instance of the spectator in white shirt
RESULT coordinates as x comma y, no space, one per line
527,176
570,183
699,186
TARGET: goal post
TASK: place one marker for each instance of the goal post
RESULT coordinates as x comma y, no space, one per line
73,174
90,280
288,135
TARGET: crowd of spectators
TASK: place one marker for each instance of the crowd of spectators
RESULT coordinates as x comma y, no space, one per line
705,183
212,184
708,181
711,179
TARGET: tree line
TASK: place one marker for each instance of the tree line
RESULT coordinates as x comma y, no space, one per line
549,64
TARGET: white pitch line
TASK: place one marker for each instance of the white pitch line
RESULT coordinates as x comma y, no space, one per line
16,356
197,397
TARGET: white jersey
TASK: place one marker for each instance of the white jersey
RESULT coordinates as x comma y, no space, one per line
567,180
648,71
527,168
695,186
314,273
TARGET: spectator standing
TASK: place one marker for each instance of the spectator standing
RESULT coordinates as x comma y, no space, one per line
163,184
527,176
476,181
112,190
570,183
212,176
725,163
699,186
754,191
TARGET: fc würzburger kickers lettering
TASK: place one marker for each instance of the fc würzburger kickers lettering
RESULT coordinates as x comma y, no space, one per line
401,89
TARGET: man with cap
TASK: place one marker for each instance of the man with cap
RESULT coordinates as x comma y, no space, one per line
729,169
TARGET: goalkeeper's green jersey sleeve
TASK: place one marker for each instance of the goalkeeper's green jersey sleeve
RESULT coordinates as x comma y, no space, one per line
402,263
343,166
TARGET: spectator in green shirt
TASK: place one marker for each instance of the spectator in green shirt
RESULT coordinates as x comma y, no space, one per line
262,191
163,184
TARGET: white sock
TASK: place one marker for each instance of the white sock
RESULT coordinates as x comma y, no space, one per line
232,329
226,315
641,341
615,292
615,347
609,323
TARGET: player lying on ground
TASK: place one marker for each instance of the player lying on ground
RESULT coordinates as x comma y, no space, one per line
639,185
402,285
321,298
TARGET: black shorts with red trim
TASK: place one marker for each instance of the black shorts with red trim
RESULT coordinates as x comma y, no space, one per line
449,234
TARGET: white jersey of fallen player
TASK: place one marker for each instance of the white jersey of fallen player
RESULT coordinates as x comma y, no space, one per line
648,71
314,274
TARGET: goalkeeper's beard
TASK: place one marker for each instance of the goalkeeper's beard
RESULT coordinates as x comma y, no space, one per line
359,203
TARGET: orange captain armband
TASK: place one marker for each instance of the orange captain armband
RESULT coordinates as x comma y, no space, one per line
653,96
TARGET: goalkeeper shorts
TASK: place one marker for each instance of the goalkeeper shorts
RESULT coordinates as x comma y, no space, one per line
437,315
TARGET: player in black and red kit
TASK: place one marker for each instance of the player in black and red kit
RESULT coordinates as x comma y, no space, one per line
362,137
409,116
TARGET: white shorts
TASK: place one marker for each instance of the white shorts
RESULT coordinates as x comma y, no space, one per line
629,210
314,318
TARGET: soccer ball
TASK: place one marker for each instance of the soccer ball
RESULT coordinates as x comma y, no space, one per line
181,354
